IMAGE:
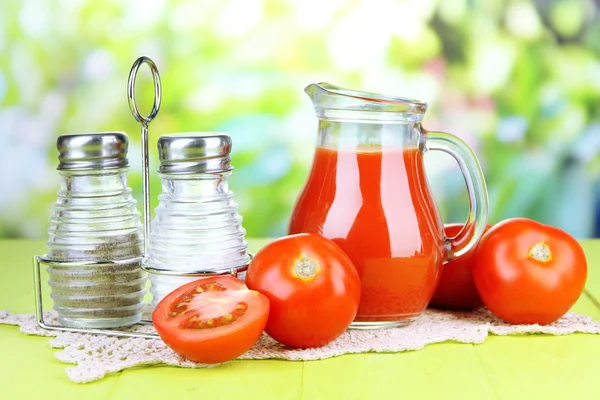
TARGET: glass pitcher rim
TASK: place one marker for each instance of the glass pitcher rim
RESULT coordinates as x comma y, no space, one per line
334,103
381,101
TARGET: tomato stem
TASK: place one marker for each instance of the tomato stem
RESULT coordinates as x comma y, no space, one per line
305,268
540,252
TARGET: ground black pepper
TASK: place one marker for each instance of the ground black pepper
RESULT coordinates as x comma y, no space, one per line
96,292
99,291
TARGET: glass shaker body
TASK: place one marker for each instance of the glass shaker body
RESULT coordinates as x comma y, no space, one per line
95,236
196,225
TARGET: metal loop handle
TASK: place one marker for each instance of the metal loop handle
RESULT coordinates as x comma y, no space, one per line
145,121
131,90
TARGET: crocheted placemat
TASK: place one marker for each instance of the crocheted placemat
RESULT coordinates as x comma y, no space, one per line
94,356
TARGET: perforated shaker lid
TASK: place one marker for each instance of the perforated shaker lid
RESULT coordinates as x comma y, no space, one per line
87,151
197,152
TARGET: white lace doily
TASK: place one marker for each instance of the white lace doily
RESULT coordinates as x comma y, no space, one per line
98,355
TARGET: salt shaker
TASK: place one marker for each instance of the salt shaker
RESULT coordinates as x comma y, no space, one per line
197,225
95,244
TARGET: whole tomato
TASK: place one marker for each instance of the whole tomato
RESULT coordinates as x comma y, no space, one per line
456,289
312,286
527,272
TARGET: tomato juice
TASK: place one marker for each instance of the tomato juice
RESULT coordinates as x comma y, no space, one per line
374,202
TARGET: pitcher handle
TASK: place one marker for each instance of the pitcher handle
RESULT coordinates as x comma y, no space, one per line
478,197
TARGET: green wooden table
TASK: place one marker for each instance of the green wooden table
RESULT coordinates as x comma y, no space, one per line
517,367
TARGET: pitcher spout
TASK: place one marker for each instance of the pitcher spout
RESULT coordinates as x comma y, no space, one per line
331,102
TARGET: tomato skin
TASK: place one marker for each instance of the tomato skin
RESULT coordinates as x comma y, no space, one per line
219,344
306,312
520,289
456,289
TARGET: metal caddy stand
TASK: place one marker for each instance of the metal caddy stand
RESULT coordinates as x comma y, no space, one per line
39,260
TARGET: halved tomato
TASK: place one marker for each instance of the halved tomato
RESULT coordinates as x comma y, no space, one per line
211,320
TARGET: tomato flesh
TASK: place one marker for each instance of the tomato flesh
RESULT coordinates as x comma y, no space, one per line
529,273
211,320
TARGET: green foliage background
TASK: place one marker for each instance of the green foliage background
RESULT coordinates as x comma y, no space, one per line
518,80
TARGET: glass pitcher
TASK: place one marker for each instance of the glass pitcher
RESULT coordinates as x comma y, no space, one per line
368,192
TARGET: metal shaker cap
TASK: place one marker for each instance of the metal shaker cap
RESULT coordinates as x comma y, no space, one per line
87,151
203,152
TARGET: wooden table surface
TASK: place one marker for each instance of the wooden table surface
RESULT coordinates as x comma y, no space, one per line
513,367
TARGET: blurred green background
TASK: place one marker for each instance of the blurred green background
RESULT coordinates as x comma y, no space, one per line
518,80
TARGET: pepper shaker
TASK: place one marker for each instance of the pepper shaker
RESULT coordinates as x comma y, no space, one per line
95,244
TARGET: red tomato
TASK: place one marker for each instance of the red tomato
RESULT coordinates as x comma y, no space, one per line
528,273
312,286
456,289
211,320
